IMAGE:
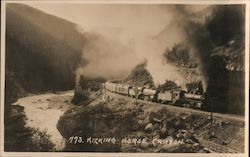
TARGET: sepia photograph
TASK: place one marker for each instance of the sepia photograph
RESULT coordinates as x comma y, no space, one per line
124,78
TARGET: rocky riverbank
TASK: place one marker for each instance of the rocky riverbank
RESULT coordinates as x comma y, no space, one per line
142,127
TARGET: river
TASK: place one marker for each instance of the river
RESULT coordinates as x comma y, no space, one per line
43,112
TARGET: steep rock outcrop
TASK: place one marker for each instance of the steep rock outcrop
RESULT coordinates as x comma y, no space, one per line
95,122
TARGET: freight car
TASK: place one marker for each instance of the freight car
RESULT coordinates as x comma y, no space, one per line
165,98
122,89
135,92
148,94
110,86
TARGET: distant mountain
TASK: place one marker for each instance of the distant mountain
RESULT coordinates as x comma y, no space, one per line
42,51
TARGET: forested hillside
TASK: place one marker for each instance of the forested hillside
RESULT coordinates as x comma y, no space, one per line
42,52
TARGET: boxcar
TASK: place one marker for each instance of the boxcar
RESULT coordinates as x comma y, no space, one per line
122,89
134,91
110,86
148,94
165,97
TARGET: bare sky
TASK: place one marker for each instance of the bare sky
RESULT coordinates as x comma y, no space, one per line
136,18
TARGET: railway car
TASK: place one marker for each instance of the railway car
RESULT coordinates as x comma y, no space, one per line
148,94
134,92
165,97
122,89
110,86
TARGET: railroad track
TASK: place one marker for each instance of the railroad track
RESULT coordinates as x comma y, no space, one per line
213,147
217,148
185,109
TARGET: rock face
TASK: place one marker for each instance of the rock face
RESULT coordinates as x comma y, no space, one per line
95,122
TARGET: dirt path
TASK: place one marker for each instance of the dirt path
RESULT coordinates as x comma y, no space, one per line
43,111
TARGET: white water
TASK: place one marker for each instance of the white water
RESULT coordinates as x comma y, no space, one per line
41,114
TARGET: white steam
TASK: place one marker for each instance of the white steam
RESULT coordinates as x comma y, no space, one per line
120,36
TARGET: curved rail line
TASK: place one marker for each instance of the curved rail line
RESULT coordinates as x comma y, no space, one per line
214,147
185,109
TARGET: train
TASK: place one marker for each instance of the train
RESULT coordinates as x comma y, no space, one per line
176,97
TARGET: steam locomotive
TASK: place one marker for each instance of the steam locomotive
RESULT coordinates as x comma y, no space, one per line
174,97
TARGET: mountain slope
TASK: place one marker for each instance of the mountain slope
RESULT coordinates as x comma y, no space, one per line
42,52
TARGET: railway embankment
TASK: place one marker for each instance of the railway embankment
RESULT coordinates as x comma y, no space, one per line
113,122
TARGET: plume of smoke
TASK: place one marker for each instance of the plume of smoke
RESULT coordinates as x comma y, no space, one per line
123,35
160,71
197,37
107,57
144,33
